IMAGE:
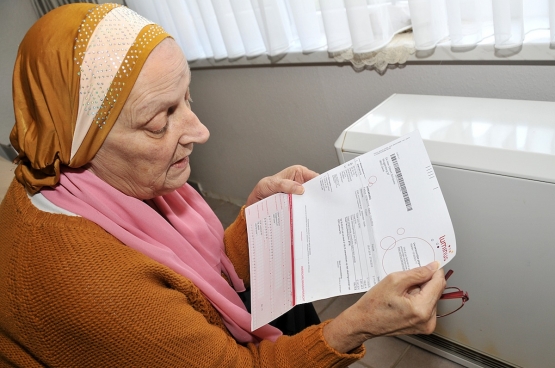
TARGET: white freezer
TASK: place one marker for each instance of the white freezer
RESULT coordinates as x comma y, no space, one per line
495,162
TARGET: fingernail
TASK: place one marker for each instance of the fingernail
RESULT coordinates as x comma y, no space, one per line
302,189
433,266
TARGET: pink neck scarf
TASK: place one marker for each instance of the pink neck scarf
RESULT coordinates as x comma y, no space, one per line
184,235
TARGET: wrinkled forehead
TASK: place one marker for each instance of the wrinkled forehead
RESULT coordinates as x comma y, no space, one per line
166,58
163,81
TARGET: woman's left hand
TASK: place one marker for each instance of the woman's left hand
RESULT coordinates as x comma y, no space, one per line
288,181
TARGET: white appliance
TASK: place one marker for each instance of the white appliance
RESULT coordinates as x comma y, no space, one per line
495,162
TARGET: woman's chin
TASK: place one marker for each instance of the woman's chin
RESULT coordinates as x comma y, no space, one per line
176,177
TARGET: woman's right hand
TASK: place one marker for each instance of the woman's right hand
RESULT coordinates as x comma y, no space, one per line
288,180
402,303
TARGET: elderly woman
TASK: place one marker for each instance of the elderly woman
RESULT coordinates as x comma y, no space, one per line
107,256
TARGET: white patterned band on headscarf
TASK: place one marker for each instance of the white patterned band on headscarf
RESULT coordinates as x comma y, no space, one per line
103,57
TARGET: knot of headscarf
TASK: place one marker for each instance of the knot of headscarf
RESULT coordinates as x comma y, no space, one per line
71,80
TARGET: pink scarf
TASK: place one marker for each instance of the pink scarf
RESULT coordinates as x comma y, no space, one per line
190,242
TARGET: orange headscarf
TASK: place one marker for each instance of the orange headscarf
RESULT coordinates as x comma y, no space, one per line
49,74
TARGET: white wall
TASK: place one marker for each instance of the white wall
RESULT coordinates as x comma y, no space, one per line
266,118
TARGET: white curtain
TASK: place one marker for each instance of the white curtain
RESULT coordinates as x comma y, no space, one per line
466,22
232,29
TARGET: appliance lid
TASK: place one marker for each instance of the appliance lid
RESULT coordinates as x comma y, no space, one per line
507,137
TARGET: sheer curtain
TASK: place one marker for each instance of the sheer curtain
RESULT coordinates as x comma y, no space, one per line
230,29
466,22
364,32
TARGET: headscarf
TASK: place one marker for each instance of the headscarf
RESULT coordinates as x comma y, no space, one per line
70,86
74,71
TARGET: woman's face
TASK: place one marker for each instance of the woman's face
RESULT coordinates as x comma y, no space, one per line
146,154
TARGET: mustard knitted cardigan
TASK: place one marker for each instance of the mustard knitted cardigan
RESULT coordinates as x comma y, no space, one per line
72,295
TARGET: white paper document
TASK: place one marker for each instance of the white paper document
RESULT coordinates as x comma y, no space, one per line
379,213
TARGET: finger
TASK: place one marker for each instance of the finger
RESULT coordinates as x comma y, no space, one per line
435,286
417,276
441,275
298,173
414,290
438,275
430,325
287,181
271,185
307,174
286,186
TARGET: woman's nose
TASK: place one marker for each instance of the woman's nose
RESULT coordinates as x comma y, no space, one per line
195,131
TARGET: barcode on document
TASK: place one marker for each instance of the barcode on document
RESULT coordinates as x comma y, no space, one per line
401,182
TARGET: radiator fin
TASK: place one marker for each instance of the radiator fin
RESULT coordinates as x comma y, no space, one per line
463,352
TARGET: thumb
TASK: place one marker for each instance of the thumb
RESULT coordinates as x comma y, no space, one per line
288,186
294,187
420,275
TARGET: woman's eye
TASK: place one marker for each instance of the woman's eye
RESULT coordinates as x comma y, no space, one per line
170,112
160,131
164,128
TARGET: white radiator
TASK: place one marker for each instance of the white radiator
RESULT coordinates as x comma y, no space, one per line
495,162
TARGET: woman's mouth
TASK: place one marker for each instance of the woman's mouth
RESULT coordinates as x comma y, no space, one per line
181,163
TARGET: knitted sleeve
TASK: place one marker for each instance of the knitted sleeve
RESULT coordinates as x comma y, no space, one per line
73,295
